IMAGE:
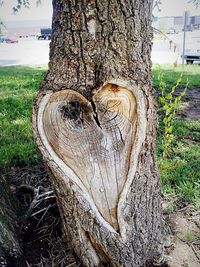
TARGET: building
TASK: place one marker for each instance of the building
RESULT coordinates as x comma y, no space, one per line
164,23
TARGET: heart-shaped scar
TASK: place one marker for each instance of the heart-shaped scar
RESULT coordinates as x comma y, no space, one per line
97,141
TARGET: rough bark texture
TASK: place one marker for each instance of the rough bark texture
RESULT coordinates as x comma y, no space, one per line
95,42
9,245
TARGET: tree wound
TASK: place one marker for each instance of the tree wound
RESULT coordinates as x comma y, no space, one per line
95,140
74,110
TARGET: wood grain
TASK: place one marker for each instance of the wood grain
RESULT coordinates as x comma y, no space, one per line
94,140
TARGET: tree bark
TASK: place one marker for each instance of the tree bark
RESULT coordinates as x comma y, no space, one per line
9,245
94,120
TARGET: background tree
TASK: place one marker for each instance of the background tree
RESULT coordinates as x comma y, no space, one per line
95,125
196,2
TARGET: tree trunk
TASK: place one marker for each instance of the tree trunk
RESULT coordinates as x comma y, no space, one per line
9,245
94,120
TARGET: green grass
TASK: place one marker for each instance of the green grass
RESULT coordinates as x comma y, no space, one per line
171,75
18,87
180,174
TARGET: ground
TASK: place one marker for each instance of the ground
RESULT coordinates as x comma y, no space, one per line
184,242
21,165
190,106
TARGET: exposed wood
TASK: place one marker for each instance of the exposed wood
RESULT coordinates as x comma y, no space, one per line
96,140
94,120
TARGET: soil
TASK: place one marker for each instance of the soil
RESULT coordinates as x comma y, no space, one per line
183,248
190,106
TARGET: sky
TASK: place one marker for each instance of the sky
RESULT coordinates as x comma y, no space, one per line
176,8
44,12
41,12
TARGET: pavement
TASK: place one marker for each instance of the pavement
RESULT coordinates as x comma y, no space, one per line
36,52
25,52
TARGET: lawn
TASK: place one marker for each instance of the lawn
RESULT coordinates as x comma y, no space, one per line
18,87
191,73
180,173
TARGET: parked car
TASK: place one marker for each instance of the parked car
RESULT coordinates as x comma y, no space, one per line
45,34
11,40
189,28
191,56
172,31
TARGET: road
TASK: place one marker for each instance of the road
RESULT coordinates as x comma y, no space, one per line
36,52
25,52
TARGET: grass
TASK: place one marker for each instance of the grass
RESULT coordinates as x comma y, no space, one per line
191,236
171,75
180,174
18,87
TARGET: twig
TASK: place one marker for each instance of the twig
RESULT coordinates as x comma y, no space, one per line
50,206
37,199
28,265
194,250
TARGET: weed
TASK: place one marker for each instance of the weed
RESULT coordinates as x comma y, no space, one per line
169,105
191,236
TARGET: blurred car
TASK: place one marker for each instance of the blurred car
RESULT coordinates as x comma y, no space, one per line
2,38
45,34
11,40
171,31
188,28
191,55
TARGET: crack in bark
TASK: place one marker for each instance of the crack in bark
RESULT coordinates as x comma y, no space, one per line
95,116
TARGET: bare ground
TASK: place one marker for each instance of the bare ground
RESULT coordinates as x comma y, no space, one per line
190,106
183,249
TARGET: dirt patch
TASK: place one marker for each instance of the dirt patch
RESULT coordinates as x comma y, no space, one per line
184,249
190,106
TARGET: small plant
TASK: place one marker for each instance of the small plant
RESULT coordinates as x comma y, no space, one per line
169,105
191,236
